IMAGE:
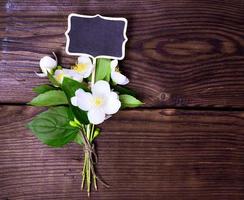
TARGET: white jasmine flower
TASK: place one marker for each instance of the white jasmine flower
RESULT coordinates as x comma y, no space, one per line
84,66
116,76
61,73
47,64
101,103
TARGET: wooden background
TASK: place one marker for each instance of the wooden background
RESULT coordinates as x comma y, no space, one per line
186,60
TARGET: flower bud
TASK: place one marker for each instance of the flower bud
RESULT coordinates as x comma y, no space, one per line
47,64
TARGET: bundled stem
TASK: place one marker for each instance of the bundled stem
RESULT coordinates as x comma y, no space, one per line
90,159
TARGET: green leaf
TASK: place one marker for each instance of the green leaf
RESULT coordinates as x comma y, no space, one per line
103,69
81,115
53,80
69,86
78,139
52,126
43,88
123,90
128,101
73,85
50,98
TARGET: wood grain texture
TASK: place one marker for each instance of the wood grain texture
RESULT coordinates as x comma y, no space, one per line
180,53
145,154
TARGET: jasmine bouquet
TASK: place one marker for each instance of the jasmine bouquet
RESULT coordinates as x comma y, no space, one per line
78,99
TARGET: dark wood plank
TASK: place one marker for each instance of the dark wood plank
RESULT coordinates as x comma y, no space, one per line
143,154
180,53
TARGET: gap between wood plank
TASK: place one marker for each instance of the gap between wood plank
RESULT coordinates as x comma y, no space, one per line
194,108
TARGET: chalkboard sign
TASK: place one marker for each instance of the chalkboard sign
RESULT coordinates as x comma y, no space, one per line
96,36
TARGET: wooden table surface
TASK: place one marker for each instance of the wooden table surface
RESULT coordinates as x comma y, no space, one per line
185,58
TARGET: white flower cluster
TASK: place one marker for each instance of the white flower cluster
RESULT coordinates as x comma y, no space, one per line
101,102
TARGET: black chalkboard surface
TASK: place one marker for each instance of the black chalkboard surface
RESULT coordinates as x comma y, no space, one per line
96,36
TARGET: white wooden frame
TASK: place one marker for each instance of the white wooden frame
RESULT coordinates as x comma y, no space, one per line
106,18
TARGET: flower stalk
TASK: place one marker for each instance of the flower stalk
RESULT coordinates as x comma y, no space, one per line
90,159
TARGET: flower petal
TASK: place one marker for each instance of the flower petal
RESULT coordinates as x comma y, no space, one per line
88,71
114,95
41,74
84,100
79,92
119,78
96,116
101,88
107,117
59,75
73,75
113,65
112,104
74,101
44,70
48,63
84,59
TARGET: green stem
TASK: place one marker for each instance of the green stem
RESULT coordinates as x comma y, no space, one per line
93,78
88,176
84,172
95,182
92,132
91,139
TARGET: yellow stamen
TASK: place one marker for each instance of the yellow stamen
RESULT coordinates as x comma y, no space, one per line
98,101
80,67
59,77
117,69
